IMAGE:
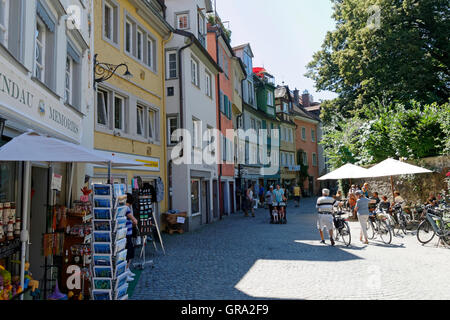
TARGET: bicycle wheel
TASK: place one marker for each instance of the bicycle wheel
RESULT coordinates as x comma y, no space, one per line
345,234
425,232
402,223
385,232
370,229
336,234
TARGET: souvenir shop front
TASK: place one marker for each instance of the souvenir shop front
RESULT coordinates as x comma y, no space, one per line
25,104
80,243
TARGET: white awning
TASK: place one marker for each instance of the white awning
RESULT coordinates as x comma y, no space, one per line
348,171
31,146
392,167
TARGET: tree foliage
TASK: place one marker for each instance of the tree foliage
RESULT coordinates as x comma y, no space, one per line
404,58
392,131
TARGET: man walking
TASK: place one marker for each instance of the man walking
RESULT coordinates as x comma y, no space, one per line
325,218
297,193
270,199
362,208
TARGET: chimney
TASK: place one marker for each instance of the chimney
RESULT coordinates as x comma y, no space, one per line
296,96
305,99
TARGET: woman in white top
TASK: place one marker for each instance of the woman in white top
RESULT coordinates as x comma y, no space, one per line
250,200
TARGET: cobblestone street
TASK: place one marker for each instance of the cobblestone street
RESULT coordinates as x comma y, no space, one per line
248,258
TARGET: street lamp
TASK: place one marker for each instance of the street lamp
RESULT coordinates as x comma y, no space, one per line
104,71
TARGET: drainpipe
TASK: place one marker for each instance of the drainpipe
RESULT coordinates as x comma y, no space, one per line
180,79
220,122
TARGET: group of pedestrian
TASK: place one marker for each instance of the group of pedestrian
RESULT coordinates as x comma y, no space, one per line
275,200
361,203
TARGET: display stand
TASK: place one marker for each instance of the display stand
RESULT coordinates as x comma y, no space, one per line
109,277
147,224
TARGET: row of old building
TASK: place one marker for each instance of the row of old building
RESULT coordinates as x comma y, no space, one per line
123,75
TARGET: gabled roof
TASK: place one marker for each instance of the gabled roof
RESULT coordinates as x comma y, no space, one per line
198,44
242,46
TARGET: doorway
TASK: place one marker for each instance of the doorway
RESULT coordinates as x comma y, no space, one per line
205,202
232,197
38,220
215,200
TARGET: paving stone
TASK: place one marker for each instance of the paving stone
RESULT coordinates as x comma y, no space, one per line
248,258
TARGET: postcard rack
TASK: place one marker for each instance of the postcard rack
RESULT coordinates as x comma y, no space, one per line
109,277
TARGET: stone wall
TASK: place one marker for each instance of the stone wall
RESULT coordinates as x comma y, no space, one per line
414,188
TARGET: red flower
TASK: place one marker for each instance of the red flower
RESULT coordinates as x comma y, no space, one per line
448,174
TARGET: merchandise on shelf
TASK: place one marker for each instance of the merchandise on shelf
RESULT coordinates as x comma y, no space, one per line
109,242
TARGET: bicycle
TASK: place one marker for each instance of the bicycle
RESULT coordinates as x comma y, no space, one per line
341,227
403,219
434,224
377,225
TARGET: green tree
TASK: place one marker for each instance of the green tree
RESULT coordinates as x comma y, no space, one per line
404,58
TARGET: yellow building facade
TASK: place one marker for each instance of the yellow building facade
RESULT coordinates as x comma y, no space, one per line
130,114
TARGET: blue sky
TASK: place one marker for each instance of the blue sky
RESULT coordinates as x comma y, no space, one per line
283,34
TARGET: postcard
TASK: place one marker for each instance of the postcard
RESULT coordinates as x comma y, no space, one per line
102,214
120,269
122,291
103,272
102,226
102,260
102,248
101,295
102,189
102,202
102,236
102,284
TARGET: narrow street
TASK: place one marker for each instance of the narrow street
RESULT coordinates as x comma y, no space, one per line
248,258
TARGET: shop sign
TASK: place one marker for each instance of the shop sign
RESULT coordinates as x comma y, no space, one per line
149,163
56,182
25,99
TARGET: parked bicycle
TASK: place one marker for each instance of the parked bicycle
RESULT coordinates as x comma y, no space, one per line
401,217
434,224
377,225
341,227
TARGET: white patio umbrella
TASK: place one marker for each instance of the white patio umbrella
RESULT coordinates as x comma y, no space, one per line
391,167
32,147
347,171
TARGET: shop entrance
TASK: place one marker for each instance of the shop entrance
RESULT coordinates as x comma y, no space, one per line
232,197
38,220
205,202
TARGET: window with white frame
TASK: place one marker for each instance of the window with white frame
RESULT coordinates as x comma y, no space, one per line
305,158
285,107
4,15
171,61
196,133
128,36
172,125
182,20
68,80
270,98
139,45
208,86
140,129
152,123
110,21
194,73
314,159
119,113
151,61
41,31
103,107
303,133
313,135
